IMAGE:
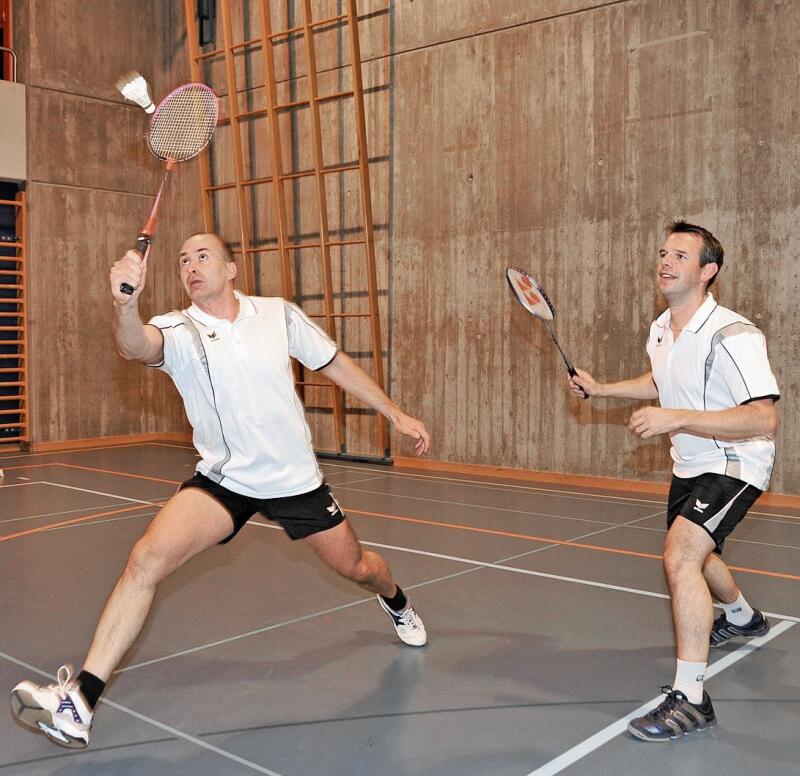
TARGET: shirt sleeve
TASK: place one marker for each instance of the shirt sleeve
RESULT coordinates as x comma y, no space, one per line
308,343
172,327
745,367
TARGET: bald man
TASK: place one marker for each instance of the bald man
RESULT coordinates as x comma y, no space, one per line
229,357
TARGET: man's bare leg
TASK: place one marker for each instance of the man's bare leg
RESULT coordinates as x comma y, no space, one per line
190,522
686,551
720,580
340,549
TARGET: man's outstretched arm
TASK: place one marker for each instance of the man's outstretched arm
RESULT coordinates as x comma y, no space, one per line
352,378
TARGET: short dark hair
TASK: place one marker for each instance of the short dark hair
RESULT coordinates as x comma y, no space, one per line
711,252
223,244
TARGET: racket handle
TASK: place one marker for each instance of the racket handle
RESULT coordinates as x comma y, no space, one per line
573,373
142,245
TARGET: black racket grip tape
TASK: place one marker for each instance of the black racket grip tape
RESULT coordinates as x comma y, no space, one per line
142,244
573,373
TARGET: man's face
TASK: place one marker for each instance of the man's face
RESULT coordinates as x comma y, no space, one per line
204,271
679,271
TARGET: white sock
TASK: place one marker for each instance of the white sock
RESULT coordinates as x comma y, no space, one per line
739,612
689,680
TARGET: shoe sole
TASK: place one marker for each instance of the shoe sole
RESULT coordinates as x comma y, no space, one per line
39,720
653,740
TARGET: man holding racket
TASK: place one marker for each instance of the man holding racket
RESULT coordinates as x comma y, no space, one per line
229,356
717,393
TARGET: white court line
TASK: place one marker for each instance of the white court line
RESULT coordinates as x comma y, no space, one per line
578,752
21,484
630,524
349,482
474,567
611,499
581,496
54,514
426,553
99,493
155,723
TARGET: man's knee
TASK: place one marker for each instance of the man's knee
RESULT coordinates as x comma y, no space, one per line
685,551
358,570
148,563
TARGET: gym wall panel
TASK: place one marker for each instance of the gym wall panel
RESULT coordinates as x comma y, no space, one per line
81,388
566,145
91,183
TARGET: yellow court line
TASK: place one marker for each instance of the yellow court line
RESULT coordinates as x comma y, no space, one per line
420,521
74,520
560,542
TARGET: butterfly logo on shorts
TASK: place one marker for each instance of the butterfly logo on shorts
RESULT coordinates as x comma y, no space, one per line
699,506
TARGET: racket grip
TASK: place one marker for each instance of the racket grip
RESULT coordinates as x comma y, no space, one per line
573,373
142,244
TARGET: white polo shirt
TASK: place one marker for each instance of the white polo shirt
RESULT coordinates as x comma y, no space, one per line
719,361
237,385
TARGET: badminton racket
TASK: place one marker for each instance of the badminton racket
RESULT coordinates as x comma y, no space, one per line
181,128
533,298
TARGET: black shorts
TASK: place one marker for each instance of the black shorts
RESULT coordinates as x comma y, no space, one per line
300,516
715,502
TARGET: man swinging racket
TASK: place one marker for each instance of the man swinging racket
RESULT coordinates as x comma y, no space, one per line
717,392
229,356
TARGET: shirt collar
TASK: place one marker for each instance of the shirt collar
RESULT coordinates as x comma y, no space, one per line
247,309
701,314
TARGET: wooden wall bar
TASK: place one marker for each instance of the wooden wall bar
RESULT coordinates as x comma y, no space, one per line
561,135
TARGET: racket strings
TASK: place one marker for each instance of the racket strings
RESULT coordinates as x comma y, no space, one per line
183,123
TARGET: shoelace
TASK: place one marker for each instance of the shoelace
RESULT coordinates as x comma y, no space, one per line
409,619
674,697
63,685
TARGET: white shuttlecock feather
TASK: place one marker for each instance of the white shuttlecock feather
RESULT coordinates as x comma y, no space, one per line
134,88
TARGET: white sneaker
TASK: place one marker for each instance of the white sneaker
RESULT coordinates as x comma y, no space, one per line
407,623
58,710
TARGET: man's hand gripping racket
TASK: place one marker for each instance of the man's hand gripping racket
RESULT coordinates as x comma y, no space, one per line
533,298
181,128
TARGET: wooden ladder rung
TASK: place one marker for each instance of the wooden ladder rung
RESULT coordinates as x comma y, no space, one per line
338,315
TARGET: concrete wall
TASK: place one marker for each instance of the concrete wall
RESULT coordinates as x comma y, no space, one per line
563,136
90,183
560,135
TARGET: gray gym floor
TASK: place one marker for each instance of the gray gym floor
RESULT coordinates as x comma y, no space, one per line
258,660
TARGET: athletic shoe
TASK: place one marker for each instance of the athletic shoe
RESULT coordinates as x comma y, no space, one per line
673,717
407,623
723,630
58,710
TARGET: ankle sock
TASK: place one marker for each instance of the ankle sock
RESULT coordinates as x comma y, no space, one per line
91,687
397,602
739,612
689,680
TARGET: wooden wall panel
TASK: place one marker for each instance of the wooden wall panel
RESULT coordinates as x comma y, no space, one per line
566,145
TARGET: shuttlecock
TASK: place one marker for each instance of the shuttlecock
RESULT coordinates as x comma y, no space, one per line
134,88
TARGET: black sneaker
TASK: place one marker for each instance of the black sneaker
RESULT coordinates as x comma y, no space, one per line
673,717
723,630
